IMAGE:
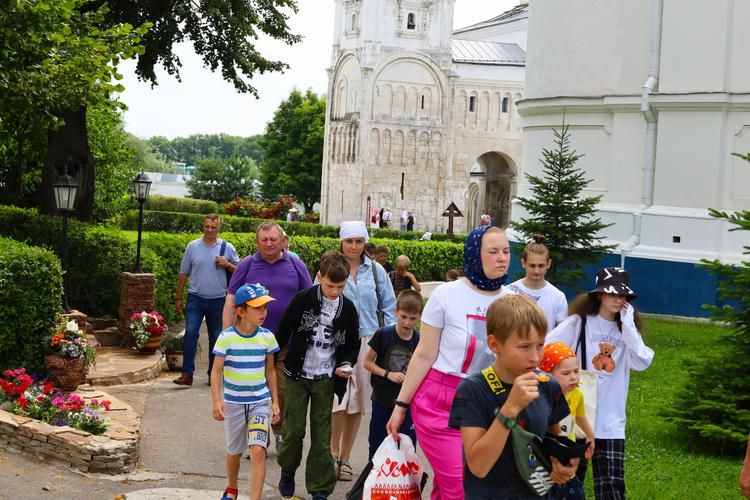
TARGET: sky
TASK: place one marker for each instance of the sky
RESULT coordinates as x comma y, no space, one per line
203,103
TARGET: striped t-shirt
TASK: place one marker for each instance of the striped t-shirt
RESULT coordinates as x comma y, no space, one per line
245,364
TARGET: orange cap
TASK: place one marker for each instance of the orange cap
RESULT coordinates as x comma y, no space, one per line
554,353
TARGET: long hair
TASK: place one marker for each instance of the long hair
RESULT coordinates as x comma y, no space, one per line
589,304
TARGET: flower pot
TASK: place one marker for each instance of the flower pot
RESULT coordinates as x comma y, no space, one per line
152,344
67,372
174,360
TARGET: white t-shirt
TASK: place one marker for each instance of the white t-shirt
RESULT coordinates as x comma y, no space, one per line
460,311
319,358
549,298
630,353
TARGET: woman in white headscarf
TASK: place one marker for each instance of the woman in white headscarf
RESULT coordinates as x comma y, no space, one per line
371,291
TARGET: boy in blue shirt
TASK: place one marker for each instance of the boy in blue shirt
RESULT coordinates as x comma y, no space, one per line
244,360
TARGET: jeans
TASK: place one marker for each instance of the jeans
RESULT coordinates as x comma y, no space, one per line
196,309
380,416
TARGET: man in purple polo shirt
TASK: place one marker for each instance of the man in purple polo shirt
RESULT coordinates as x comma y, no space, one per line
284,275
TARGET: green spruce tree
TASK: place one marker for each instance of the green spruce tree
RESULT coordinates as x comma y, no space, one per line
557,210
714,405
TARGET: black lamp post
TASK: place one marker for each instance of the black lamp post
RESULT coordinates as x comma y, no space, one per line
65,189
141,187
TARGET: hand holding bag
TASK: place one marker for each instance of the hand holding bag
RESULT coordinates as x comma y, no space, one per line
587,383
396,471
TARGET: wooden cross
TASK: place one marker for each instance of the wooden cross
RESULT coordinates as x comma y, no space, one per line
450,212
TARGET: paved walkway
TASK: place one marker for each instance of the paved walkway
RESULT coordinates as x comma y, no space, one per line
181,449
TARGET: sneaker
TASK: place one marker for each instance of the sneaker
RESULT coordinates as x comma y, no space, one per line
229,494
286,484
319,496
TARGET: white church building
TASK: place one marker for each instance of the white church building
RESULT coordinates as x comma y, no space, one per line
657,95
420,116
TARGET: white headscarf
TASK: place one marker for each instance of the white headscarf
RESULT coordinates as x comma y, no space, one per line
353,229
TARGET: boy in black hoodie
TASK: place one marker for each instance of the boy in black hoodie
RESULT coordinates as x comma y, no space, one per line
324,330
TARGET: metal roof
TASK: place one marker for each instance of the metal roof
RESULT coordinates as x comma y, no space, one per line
478,52
516,13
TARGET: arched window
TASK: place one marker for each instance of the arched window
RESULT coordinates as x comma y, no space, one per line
354,22
472,103
504,105
410,24
422,104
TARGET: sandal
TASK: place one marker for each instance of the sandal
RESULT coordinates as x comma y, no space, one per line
345,471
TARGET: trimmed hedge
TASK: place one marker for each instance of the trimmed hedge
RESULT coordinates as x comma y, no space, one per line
30,298
97,255
180,222
189,205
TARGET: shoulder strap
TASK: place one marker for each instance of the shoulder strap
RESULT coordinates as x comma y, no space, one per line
377,285
494,382
223,248
582,342
386,334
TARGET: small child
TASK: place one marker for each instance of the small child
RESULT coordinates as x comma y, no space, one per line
561,362
388,354
380,255
244,359
324,330
401,278
485,413
536,263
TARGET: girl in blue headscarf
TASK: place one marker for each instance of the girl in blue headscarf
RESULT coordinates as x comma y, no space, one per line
452,345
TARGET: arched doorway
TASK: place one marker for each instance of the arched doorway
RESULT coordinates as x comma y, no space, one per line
492,186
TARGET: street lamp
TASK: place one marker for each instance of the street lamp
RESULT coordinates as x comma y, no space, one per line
141,187
65,189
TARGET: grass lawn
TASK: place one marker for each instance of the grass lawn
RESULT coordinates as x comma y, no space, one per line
659,463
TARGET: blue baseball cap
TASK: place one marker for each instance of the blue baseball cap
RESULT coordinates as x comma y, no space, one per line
253,295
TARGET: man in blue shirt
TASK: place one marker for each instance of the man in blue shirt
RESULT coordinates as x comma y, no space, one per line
206,262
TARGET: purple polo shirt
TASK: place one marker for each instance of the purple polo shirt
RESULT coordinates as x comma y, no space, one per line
284,278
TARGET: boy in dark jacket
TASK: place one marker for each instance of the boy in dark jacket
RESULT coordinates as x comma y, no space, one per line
324,330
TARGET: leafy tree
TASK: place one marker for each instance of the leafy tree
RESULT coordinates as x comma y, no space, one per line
557,210
116,163
191,149
293,148
54,57
147,159
221,180
714,406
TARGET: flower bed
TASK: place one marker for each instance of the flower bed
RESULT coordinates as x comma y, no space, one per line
113,452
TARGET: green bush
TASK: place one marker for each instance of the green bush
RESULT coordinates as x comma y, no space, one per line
30,292
181,222
97,255
188,205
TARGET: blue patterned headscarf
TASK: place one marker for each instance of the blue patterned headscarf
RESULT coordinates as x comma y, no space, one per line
473,262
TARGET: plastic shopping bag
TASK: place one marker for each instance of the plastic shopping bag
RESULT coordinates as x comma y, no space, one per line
396,471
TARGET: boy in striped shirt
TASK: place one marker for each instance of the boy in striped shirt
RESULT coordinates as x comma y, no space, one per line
244,356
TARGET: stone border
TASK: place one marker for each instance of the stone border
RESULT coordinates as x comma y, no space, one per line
114,452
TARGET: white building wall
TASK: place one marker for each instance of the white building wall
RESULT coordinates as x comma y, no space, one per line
589,60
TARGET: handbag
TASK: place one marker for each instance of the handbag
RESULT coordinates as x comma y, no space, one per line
532,462
396,472
587,383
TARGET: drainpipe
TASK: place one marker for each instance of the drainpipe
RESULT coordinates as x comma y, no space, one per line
649,152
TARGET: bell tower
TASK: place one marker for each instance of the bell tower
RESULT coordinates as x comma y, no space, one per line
374,28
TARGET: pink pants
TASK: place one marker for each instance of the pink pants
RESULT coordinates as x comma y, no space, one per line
441,444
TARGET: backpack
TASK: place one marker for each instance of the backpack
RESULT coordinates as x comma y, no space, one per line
221,254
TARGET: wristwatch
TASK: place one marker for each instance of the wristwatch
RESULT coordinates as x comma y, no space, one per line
506,421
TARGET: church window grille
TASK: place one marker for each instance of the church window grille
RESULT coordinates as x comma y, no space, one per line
472,103
410,23
504,105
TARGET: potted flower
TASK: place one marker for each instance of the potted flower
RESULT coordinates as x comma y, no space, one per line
147,329
69,355
171,346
